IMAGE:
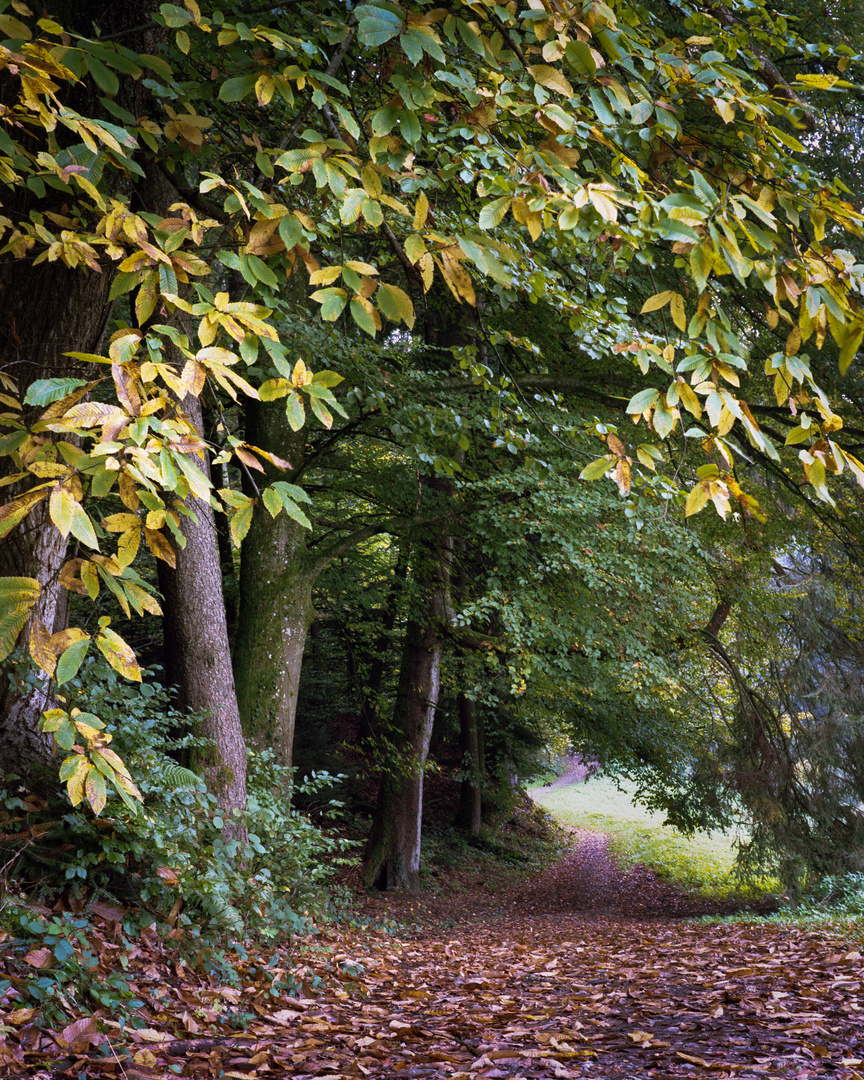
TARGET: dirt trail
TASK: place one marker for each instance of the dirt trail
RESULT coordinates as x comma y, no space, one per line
590,973
582,972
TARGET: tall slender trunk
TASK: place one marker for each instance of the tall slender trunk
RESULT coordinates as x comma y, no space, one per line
371,689
393,853
392,856
198,660
469,811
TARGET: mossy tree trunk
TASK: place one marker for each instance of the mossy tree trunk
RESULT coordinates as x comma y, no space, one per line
277,577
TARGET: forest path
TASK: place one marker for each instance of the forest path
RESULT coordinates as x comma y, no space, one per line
580,972
584,973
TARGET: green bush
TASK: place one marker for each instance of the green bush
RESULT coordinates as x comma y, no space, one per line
173,848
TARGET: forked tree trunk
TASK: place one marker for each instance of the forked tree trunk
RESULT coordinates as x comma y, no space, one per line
392,858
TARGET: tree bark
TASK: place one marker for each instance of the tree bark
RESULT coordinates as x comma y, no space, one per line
470,808
48,310
198,659
392,858
393,853
277,576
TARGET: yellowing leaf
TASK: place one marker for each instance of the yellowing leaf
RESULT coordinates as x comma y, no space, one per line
395,305
118,654
551,78
421,211
657,301
456,276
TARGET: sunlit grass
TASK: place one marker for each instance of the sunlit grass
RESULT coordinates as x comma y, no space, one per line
703,864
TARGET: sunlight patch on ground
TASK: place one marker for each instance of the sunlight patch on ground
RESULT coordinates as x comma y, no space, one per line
703,863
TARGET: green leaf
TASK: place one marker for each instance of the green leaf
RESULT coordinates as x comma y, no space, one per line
377,25
295,411
272,501
175,16
82,527
598,469
238,88
670,229
104,78
332,302
395,304
71,661
642,401
240,522
493,213
384,120
44,391
581,59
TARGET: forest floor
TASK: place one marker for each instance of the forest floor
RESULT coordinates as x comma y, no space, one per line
580,971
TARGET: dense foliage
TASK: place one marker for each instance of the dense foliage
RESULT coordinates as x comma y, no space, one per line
451,320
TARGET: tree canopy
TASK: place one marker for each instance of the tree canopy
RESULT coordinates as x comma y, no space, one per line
417,273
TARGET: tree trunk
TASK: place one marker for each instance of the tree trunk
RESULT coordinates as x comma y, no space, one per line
392,856
48,310
393,853
277,576
377,663
469,811
198,660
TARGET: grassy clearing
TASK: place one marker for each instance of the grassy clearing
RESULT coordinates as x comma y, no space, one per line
703,864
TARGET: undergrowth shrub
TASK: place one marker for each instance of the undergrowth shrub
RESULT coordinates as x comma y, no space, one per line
168,864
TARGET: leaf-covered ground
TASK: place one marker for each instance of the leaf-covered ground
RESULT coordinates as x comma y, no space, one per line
578,973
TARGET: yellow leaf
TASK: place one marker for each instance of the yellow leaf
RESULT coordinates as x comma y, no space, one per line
120,522
793,341
725,109
819,82
601,202
551,78
75,783
697,499
160,547
421,211
127,547
264,89
457,277
325,276
426,266
118,654
677,309
61,507
40,647
657,301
